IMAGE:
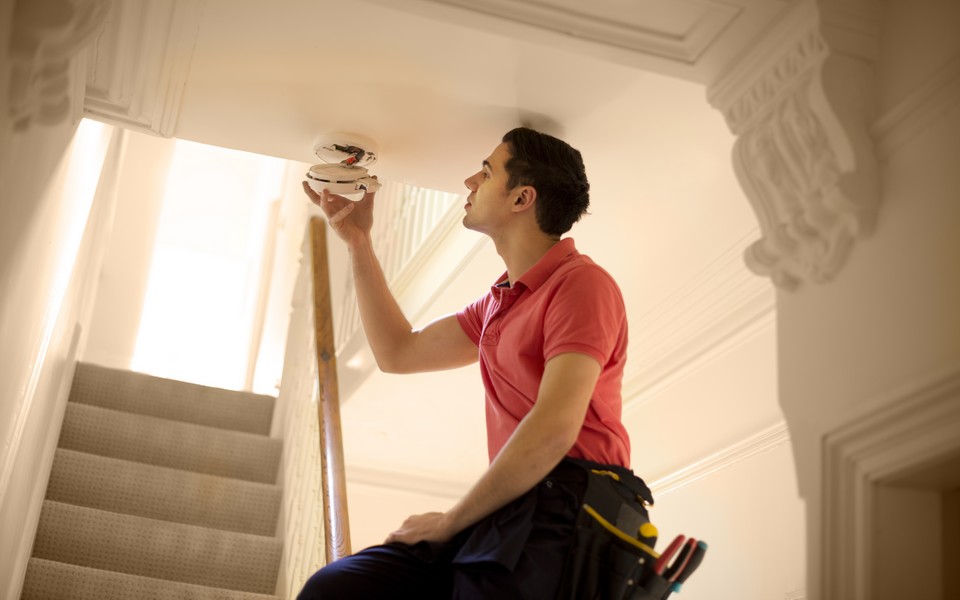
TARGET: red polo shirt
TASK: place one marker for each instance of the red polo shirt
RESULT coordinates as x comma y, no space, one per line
564,303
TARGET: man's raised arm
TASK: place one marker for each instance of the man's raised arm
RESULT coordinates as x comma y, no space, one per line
396,346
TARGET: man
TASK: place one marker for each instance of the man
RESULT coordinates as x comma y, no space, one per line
551,338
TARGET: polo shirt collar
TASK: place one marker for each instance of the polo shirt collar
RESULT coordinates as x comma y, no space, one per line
548,263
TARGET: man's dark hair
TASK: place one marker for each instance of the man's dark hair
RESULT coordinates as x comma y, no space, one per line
555,170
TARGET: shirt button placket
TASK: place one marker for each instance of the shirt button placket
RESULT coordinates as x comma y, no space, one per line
507,296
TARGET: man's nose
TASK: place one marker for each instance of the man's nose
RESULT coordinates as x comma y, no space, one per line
470,182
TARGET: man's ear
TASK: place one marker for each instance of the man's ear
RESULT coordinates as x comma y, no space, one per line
526,198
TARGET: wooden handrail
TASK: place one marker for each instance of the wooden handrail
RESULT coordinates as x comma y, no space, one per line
336,523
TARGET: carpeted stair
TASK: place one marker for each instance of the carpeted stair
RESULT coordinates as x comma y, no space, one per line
159,490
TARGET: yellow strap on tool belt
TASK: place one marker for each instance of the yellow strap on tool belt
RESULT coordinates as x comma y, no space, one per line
620,534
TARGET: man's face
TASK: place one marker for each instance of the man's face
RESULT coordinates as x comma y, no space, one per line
489,201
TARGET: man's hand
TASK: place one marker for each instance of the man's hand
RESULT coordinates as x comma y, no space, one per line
429,527
351,220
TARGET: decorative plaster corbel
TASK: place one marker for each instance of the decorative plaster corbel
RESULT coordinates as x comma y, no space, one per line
46,36
800,105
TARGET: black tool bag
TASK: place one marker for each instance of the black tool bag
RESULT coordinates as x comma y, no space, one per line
612,555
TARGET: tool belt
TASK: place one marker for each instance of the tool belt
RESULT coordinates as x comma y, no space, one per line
612,555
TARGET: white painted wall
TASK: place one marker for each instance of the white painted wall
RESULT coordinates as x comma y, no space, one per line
56,217
752,519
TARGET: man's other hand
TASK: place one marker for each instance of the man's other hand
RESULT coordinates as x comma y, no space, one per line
428,527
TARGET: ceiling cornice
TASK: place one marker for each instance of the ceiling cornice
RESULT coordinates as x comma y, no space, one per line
679,38
139,64
679,30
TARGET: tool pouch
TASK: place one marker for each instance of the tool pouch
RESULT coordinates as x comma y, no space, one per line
610,558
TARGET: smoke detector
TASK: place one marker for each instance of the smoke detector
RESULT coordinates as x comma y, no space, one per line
344,168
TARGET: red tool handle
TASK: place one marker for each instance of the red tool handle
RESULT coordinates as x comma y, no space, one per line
667,554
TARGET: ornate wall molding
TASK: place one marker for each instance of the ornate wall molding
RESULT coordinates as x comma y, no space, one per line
801,106
915,426
140,64
46,38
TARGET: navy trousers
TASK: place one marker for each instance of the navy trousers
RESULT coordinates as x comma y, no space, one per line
517,552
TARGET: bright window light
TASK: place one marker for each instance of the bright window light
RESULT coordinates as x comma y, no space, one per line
201,303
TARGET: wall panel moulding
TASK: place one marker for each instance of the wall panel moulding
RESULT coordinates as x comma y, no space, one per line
919,110
720,308
769,438
800,104
139,65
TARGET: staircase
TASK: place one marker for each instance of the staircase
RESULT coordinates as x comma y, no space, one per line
159,489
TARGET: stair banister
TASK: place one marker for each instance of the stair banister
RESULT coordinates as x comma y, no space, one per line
337,528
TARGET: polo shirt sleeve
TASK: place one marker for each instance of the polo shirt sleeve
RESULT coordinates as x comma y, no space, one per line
472,316
585,315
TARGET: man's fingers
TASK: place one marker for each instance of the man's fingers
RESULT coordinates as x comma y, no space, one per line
368,194
321,200
314,197
331,204
402,537
324,198
342,214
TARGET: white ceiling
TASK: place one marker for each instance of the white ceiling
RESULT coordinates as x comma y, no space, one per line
433,83
437,85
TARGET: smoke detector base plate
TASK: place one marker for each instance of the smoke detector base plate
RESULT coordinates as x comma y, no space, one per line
340,179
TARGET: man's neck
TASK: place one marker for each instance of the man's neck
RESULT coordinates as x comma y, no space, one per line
520,253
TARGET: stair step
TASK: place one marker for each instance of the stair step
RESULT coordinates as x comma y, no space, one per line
149,548
47,579
174,400
162,493
173,444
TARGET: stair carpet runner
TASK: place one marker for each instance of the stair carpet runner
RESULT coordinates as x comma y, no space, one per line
159,490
